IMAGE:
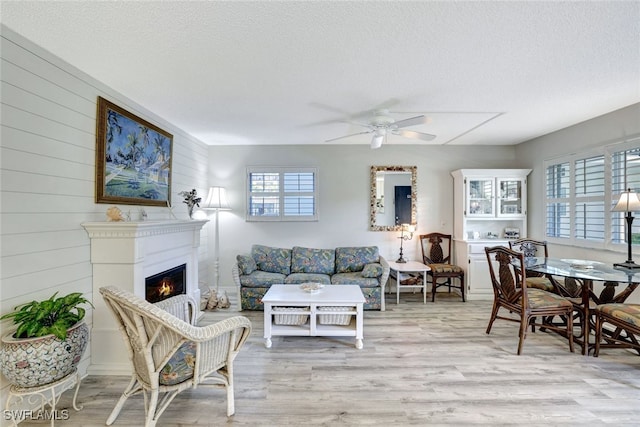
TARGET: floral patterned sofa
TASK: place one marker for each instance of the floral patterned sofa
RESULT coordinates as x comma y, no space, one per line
254,273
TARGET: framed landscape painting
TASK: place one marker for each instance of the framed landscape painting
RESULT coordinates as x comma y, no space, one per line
133,159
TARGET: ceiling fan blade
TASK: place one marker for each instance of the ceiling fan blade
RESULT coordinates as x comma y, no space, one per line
347,136
417,120
415,135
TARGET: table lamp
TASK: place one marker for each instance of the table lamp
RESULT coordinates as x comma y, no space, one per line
628,203
410,229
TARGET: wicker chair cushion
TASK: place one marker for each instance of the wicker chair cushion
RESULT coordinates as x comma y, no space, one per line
628,313
180,367
247,264
372,270
444,268
539,299
540,283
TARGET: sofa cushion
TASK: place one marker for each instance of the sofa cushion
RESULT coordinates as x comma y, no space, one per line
350,259
260,279
308,277
272,260
246,264
309,260
354,278
372,270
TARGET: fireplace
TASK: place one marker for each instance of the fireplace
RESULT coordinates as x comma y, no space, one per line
131,255
165,284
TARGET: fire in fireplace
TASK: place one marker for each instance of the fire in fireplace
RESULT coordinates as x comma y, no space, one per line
166,284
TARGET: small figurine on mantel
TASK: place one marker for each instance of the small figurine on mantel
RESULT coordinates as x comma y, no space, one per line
114,214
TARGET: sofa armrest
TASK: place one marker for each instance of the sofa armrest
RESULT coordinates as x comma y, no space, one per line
235,273
385,273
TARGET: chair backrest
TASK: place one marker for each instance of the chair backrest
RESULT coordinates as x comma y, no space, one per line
436,248
182,306
507,283
152,333
529,247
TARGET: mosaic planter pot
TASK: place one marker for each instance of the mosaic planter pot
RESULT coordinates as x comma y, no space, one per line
31,362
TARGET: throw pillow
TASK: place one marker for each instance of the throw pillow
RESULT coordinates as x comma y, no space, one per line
247,264
372,270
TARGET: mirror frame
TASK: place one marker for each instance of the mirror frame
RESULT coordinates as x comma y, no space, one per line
372,201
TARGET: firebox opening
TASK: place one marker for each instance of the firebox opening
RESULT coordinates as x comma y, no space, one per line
166,284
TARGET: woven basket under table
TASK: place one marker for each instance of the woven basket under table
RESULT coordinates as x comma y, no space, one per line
335,319
285,317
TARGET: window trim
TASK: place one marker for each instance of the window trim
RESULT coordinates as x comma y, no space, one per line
281,194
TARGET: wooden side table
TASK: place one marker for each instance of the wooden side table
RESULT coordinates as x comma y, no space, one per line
45,395
402,271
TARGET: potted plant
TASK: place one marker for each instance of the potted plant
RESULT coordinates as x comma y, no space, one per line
191,199
49,341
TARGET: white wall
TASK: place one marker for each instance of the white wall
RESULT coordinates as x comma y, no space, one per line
609,128
48,118
344,182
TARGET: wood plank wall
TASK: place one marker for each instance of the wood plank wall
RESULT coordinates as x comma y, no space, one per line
47,155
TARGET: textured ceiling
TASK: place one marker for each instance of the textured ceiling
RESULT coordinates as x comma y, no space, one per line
303,72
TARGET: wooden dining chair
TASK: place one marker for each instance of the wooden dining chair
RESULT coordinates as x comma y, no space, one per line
522,303
436,253
617,326
534,249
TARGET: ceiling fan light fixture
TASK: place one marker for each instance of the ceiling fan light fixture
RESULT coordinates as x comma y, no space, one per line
376,141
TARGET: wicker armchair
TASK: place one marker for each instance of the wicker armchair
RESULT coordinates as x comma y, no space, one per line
169,354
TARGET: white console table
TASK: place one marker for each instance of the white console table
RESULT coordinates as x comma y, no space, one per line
314,305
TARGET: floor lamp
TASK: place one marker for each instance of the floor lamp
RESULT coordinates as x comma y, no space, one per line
217,201
628,203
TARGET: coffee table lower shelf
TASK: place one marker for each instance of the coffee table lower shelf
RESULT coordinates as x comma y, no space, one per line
348,301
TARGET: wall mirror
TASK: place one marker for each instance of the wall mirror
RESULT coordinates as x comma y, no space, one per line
394,197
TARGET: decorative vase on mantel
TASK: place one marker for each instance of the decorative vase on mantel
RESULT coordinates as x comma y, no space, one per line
33,362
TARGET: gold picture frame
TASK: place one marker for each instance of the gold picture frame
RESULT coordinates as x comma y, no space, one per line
133,159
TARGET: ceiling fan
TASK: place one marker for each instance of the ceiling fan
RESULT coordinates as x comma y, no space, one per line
382,125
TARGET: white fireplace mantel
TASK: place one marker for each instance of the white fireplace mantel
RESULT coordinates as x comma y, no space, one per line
123,254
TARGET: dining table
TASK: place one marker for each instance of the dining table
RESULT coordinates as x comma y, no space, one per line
578,286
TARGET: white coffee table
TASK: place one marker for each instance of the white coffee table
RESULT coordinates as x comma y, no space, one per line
402,271
313,305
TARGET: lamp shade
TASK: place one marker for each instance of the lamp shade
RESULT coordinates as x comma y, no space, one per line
216,199
628,202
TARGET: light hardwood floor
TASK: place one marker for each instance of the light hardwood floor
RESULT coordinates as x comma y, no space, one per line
421,364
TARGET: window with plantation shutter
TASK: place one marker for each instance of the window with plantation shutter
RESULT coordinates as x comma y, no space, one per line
589,185
582,188
625,173
282,194
557,189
